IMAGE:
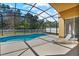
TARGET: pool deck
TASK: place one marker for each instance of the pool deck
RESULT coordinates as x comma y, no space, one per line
42,46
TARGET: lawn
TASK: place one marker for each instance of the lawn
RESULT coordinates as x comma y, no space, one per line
14,33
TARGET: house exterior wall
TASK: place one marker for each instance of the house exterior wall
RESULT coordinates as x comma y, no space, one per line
65,15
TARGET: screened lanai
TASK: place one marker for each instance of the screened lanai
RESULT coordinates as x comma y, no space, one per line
30,29
24,18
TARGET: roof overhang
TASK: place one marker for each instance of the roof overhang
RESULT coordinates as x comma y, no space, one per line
60,7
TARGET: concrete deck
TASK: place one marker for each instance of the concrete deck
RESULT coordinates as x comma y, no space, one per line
42,45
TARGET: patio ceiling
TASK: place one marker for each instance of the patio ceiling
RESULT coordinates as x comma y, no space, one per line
63,6
66,10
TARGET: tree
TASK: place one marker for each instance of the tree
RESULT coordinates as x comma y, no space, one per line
41,24
32,20
24,24
29,17
17,18
3,7
52,24
8,7
35,18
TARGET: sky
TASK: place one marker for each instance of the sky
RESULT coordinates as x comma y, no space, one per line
43,6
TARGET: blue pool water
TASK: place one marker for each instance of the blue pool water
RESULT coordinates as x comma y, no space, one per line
20,37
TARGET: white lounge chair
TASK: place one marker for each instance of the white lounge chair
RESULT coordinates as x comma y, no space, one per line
65,40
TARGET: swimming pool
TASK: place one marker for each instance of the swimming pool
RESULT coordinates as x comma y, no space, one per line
21,37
